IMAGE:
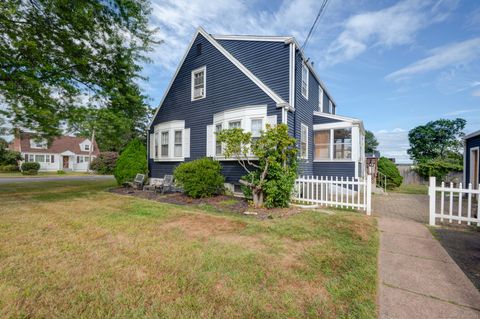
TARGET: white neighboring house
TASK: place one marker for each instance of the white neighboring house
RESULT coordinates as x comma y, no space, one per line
67,153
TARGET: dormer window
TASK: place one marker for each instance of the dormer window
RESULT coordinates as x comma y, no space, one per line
86,147
199,83
330,107
38,144
320,99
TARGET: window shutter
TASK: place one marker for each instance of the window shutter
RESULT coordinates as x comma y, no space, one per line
186,142
210,141
152,145
272,120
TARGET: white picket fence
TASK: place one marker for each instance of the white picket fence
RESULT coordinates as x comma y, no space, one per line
335,192
453,203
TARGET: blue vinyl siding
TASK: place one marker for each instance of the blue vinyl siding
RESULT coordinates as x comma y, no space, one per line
345,169
226,88
317,119
269,61
469,144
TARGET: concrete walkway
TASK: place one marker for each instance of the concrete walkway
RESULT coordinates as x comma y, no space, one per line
9,180
417,278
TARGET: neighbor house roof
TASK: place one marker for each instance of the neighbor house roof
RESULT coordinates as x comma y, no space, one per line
58,145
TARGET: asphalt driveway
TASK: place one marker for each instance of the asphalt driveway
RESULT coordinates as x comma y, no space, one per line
9,180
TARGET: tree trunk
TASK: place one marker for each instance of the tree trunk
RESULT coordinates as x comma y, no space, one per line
257,198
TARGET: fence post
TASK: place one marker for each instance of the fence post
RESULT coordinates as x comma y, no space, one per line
369,194
431,194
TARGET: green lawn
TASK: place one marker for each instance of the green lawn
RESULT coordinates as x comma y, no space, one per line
68,249
41,174
412,189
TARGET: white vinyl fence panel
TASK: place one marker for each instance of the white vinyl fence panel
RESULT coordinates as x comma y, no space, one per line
454,204
335,192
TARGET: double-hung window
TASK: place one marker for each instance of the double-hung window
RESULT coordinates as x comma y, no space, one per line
164,144
156,143
86,147
178,145
218,144
305,80
320,99
304,142
199,83
40,158
256,127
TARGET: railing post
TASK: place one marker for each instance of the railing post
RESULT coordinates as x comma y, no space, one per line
369,194
431,194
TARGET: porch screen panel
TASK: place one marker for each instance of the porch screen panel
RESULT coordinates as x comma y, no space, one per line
322,145
342,143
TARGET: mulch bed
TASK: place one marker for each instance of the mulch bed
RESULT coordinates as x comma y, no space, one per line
221,203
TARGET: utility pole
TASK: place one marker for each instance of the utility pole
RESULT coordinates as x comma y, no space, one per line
90,150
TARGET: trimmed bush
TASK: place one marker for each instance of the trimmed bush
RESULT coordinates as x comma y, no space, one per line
388,168
200,178
437,168
104,164
61,172
8,168
30,168
132,161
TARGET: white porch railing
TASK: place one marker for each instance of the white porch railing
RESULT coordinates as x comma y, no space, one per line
335,192
453,203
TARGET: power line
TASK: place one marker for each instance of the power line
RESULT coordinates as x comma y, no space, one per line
312,29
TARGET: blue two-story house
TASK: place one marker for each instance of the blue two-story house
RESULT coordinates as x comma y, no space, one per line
471,158
250,81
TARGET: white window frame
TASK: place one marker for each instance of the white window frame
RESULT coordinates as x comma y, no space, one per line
305,76
215,138
320,98
86,147
194,72
170,127
331,145
330,106
175,144
168,143
302,137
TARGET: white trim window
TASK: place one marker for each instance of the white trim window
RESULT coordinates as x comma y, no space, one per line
305,76
320,99
199,83
333,144
178,143
235,124
256,127
171,141
164,143
304,141
330,107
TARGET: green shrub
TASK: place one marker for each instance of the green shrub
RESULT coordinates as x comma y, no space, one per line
61,172
104,164
200,178
8,157
8,168
30,168
132,161
437,168
388,168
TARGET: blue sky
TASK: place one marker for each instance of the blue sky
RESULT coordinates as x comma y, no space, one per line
394,64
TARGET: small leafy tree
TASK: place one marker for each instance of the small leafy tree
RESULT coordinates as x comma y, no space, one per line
371,142
270,178
104,164
388,168
132,161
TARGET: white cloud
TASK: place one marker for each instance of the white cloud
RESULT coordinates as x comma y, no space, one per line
461,112
455,54
394,143
389,27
